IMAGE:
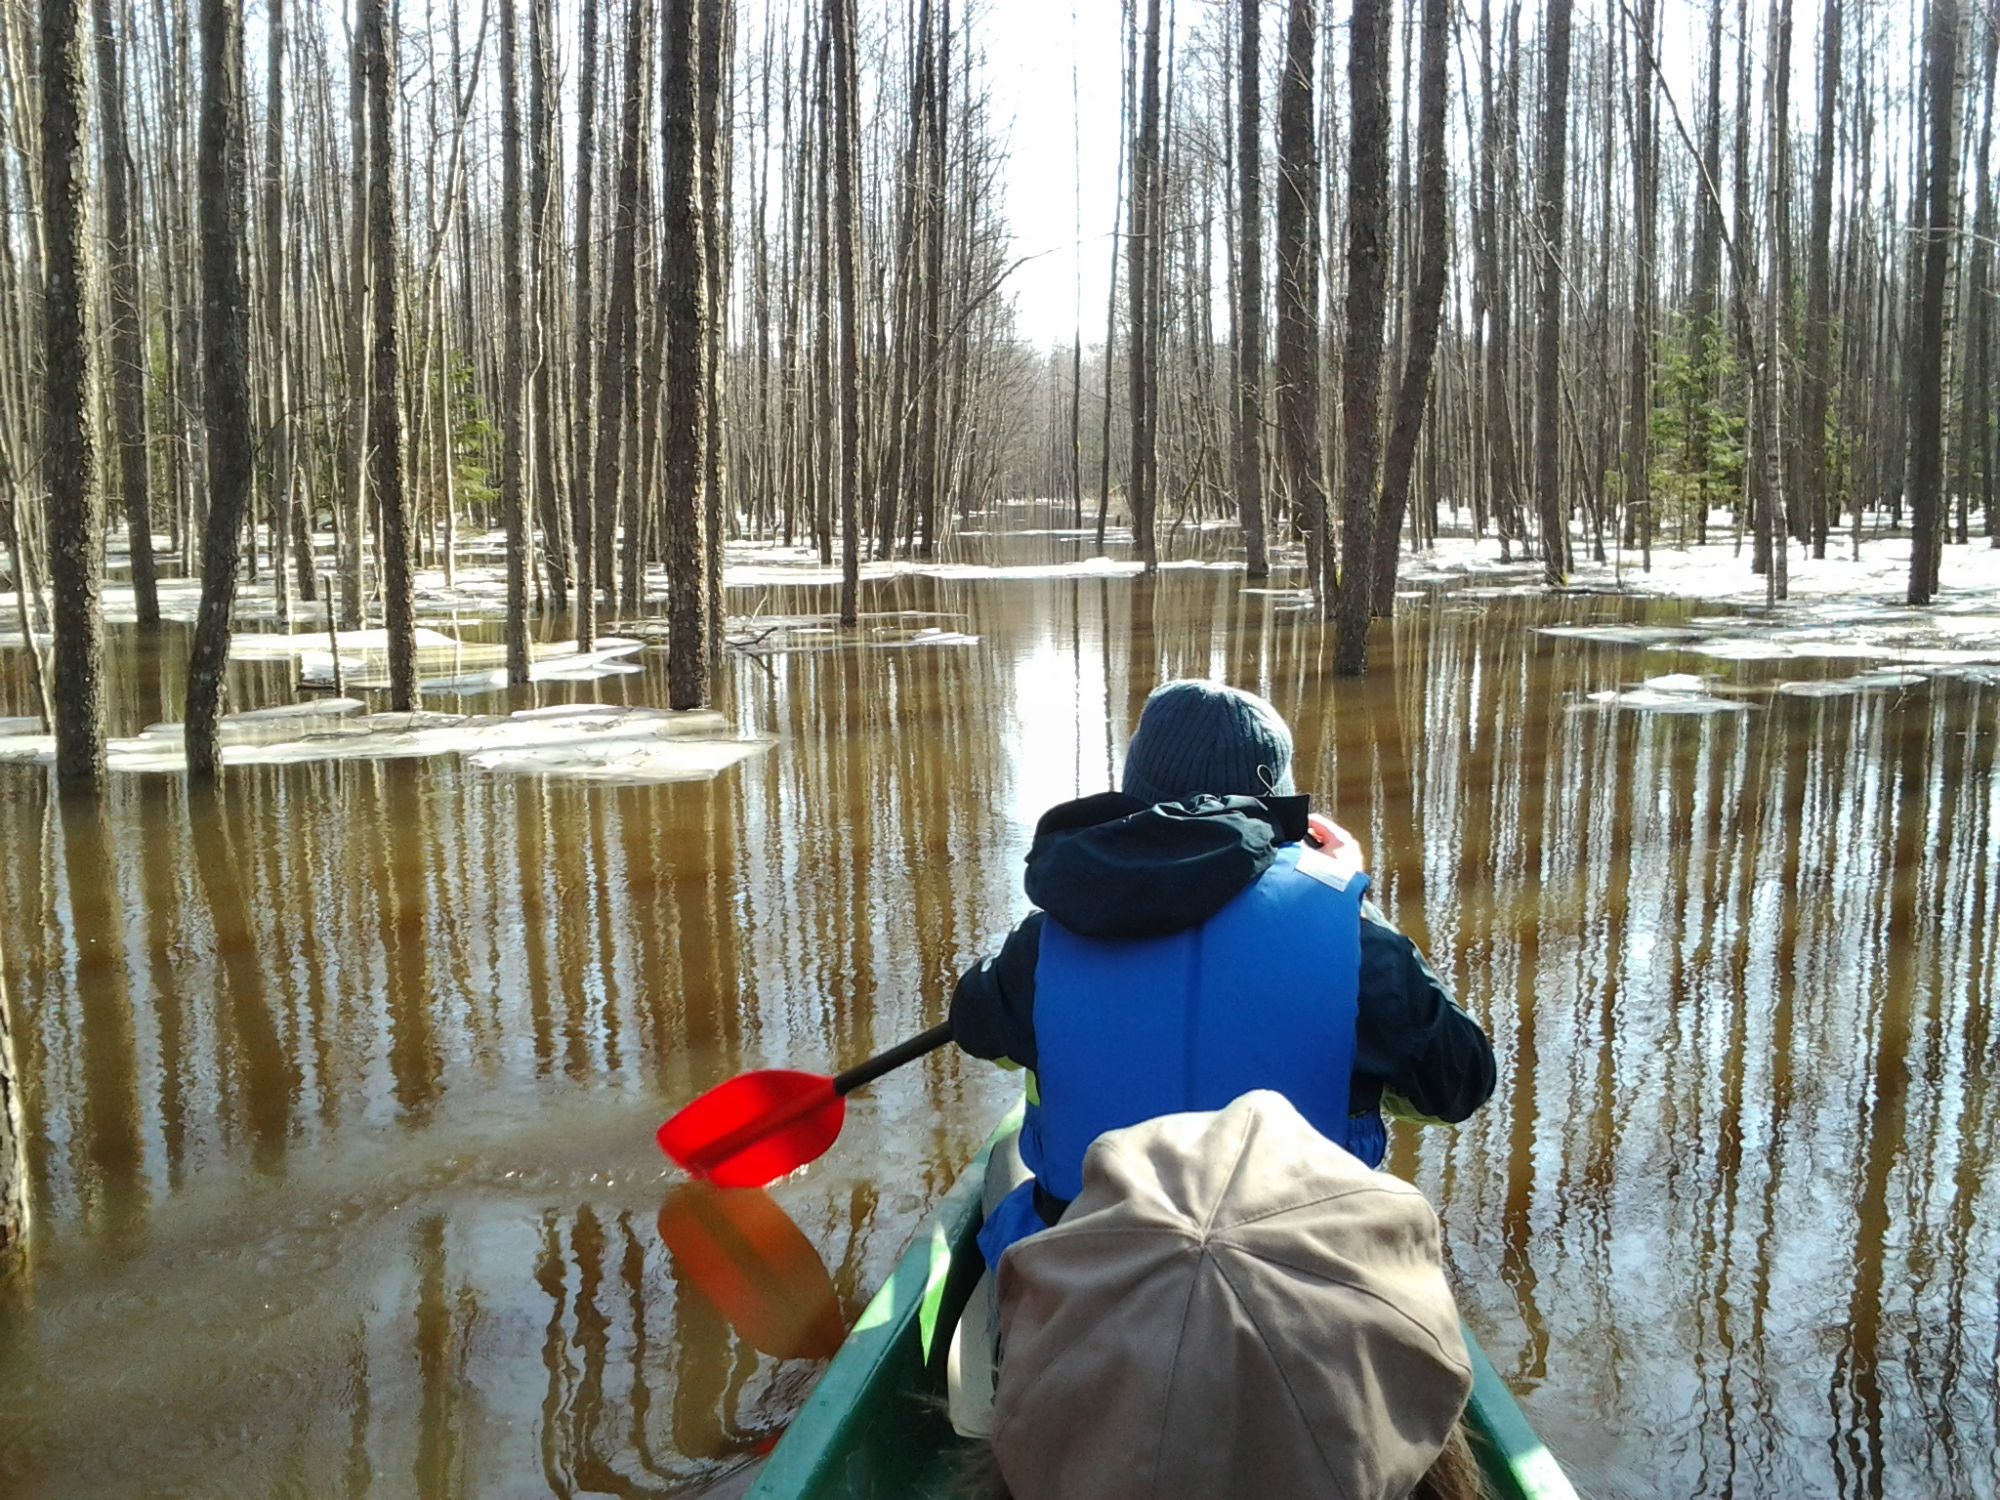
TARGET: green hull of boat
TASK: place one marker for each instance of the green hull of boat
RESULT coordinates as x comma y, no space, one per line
875,1425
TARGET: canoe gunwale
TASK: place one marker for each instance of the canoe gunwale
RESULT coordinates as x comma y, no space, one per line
826,1450
902,1318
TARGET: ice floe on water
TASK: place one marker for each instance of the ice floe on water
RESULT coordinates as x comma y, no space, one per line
276,645
445,664
1866,682
1823,630
1674,693
1622,635
484,666
596,742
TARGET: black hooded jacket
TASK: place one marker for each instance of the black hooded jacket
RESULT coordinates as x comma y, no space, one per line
1111,866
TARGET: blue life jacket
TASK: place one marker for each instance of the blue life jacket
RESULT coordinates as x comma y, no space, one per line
1262,995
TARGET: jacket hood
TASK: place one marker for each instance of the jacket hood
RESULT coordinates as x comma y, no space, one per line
1116,866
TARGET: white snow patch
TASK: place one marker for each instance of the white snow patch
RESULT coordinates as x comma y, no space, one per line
1721,571
471,666
591,741
276,646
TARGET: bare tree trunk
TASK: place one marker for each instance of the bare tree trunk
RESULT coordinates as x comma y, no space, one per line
621,313
276,327
127,337
1548,330
1125,138
225,350
359,312
1361,365
547,484
1143,301
1299,459
825,363
1250,294
385,409
1496,298
1705,324
583,510
846,127
513,400
76,507
1426,305
1645,195
1974,418
1927,397
684,288
1818,281
933,347
1775,531
717,23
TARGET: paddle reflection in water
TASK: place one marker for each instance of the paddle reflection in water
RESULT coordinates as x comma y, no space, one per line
339,1088
741,1251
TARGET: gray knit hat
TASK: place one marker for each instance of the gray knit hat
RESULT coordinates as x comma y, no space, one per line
1197,736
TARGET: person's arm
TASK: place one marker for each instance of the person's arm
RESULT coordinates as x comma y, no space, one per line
993,1006
1415,1050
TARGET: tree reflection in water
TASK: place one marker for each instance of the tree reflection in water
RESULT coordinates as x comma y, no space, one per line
340,1088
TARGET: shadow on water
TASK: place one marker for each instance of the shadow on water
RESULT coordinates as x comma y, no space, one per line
341,1085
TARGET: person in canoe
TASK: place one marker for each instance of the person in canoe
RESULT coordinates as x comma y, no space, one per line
1193,943
1233,1305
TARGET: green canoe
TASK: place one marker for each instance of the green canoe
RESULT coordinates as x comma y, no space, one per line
875,1424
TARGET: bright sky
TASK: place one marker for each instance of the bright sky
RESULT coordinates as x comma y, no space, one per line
1031,47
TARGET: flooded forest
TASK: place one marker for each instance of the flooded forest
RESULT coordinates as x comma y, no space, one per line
554,554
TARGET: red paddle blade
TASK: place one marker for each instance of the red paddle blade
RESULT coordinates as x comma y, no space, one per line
744,1254
754,1129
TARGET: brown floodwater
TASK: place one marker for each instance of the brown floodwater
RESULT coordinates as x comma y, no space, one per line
341,1084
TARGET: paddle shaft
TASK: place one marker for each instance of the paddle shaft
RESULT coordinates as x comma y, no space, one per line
887,1062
